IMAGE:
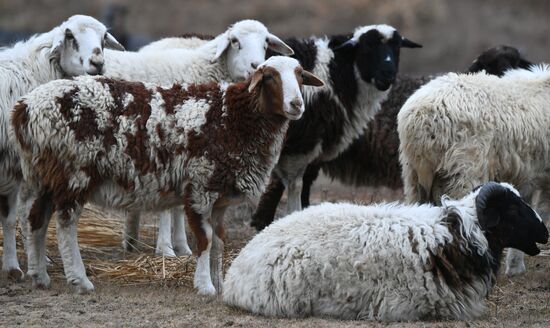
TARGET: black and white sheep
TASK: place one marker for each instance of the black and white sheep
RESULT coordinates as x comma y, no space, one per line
359,70
460,130
373,158
73,48
388,262
137,146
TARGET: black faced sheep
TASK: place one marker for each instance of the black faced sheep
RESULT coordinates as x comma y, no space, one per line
386,262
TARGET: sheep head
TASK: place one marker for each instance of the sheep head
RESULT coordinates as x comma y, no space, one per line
78,45
279,82
245,44
507,220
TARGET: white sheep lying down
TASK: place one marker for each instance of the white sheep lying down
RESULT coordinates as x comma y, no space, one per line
386,262
461,130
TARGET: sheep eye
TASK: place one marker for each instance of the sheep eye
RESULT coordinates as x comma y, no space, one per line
235,43
268,76
69,35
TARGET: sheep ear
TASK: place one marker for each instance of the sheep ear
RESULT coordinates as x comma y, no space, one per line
475,67
310,79
112,43
255,80
278,45
350,44
222,43
523,63
406,43
57,43
490,199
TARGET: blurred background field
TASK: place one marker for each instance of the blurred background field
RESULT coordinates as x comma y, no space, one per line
452,32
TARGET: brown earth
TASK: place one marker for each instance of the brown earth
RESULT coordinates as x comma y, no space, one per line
172,302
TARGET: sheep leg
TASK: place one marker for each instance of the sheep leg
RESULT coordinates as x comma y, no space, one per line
38,211
9,223
75,272
164,240
216,253
293,198
265,213
311,174
179,237
203,233
131,231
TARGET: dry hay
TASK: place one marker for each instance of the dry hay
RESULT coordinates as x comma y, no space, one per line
100,238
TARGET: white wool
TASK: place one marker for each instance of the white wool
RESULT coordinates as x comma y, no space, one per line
386,30
356,262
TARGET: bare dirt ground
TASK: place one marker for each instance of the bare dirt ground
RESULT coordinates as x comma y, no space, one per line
519,301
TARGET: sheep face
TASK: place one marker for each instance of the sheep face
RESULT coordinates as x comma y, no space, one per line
375,50
78,46
498,60
279,80
507,220
245,45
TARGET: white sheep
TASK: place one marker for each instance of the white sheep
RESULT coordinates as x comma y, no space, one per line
388,262
73,48
461,130
231,56
136,146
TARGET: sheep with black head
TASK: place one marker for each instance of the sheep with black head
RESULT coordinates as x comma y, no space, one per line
388,262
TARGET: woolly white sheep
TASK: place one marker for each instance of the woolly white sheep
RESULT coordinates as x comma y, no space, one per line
388,262
136,146
70,49
461,130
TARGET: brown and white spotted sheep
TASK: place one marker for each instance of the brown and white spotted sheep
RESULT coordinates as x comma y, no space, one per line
136,146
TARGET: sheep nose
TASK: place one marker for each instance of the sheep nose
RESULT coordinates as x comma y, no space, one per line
97,65
254,65
296,103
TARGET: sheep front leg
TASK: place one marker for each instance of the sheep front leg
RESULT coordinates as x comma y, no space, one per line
294,200
164,240
203,234
265,213
131,231
216,253
75,272
9,222
179,237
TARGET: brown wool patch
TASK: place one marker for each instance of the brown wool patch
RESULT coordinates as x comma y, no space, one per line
19,120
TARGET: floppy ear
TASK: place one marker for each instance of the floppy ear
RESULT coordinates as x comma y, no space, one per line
277,45
523,63
310,79
221,46
112,43
406,43
350,44
255,80
57,43
475,67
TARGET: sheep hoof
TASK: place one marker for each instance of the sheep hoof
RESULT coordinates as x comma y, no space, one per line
207,290
15,274
82,286
165,251
515,270
39,281
183,250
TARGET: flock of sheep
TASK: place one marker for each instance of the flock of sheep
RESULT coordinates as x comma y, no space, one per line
188,126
